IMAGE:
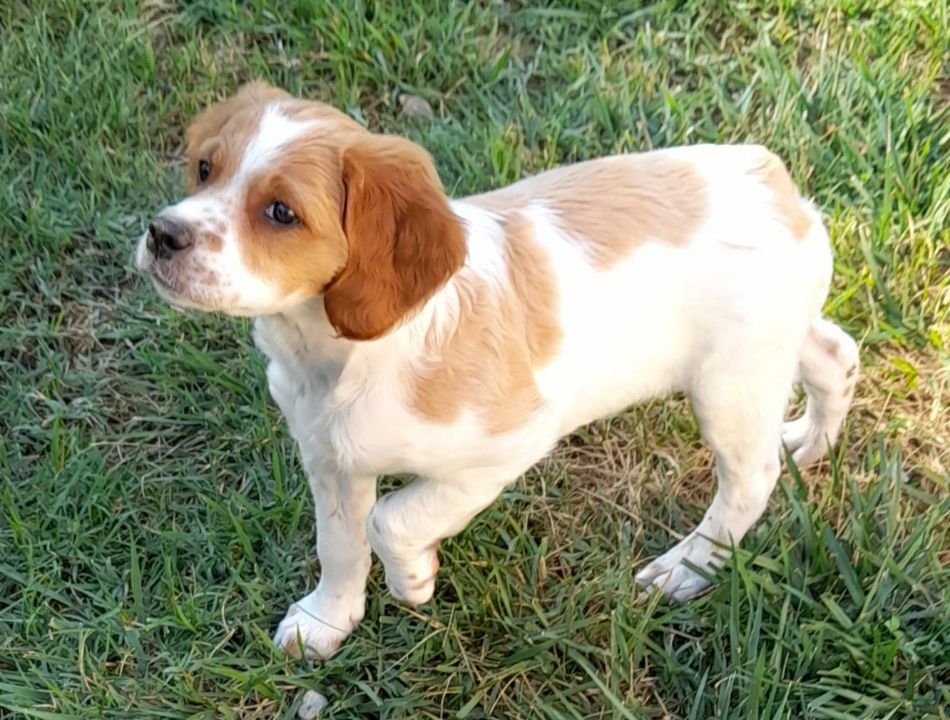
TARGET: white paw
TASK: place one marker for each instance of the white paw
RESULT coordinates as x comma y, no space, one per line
670,576
318,624
414,582
795,433
803,441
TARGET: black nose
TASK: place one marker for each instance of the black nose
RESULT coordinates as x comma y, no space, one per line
166,237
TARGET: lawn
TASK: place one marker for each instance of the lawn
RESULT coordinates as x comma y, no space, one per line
154,520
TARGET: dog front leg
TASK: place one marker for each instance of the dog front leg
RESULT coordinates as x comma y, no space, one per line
322,620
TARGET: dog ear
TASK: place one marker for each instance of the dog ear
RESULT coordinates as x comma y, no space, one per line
403,240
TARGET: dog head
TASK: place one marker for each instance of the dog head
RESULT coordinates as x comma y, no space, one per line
291,199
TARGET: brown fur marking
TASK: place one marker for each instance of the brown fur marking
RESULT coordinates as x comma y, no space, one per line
488,363
302,258
532,280
220,133
211,241
772,172
613,205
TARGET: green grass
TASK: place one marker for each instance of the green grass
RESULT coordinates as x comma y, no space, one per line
154,521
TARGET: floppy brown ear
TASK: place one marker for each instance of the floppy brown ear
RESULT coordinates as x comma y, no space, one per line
404,241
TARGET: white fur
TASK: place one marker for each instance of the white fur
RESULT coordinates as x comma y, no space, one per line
274,132
237,291
732,318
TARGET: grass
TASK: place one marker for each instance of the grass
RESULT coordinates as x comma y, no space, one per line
154,521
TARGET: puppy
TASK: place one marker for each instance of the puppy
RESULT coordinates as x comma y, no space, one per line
458,340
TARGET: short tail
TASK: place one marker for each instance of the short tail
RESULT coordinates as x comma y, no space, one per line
828,369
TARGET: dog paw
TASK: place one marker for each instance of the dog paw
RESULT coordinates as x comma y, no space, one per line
414,582
795,433
317,625
801,439
670,576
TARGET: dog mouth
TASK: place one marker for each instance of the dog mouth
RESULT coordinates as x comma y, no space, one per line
172,283
190,288
174,292
168,289
183,296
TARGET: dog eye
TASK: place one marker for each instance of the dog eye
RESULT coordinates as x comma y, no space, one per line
280,213
204,170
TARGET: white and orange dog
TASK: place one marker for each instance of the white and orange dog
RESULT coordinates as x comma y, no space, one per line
458,340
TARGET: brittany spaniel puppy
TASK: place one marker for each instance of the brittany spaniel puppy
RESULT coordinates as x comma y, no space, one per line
458,340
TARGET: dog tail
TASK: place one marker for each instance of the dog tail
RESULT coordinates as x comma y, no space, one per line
828,370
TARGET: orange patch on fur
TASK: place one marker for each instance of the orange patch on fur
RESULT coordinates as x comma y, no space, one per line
487,364
535,290
220,133
772,172
613,205
302,258
211,241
